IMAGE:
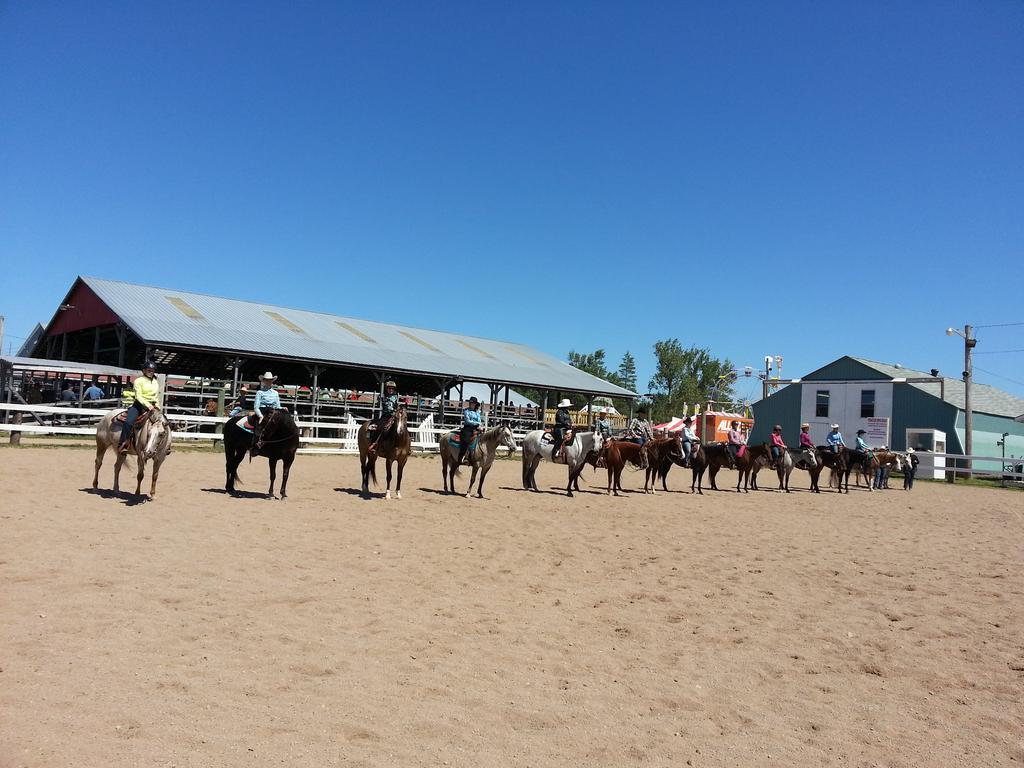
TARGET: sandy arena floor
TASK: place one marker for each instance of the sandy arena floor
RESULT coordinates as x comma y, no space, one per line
527,629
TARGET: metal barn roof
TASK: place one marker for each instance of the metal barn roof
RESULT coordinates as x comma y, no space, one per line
984,397
168,317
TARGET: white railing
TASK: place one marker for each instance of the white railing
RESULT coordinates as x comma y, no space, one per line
426,435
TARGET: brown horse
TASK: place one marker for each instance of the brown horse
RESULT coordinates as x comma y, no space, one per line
659,450
755,457
867,463
698,465
617,454
394,445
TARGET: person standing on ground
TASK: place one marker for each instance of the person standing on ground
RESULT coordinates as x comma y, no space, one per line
910,470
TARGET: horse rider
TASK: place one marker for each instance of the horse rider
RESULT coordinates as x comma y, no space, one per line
388,409
266,399
834,439
472,422
689,440
562,428
777,444
805,437
734,441
640,432
602,426
241,402
145,397
862,450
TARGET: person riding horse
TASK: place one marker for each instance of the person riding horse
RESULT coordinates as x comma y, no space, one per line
266,402
472,422
689,440
602,426
862,451
388,408
145,397
734,441
562,428
834,439
805,437
778,446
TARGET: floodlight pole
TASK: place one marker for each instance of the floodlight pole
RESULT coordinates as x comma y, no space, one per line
969,343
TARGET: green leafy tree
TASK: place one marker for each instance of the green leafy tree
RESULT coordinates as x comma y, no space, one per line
687,375
593,363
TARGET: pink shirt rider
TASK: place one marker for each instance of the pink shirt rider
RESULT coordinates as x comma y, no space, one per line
735,438
777,440
805,440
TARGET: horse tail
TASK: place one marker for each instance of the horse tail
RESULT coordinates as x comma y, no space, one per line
373,473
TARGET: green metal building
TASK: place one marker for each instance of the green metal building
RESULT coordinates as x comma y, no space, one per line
889,399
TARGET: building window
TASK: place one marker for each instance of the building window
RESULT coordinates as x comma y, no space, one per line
867,403
821,404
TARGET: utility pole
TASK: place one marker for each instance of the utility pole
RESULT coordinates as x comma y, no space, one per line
1,334
969,344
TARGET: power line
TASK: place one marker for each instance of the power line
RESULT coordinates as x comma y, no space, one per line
998,325
999,351
1000,376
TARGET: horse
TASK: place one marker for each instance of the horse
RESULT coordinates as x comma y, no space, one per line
152,441
746,463
825,458
279,440
481,456
659,450
395,445
617,454
791,458
887,462
851,459
535,450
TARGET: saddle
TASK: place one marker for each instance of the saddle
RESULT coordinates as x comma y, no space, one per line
455,440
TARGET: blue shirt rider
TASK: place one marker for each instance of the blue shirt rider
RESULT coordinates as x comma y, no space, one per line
265,402
388,408
472,422
834,439
689,440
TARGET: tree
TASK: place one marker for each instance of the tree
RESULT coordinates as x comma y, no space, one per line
687,375
627,372
592,363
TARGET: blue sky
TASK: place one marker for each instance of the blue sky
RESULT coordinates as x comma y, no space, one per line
804,179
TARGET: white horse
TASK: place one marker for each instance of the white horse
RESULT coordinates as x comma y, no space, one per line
535,450
805,458
480,458
152,441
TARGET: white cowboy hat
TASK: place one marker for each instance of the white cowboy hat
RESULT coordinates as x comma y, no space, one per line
565,403
805,425
268,375
910,450
834,426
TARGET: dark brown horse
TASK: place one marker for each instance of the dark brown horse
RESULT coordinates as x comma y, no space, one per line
754,457
658,451
866,462
279,440
698,465
394,445
617,454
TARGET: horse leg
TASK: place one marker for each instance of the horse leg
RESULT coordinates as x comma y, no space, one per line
286,462
533,471
273,476
141,473
480,488
101,450
387,491
472,479
444,467
117,470
398,480
156,473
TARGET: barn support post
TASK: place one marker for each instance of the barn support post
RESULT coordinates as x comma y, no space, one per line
590,411
316,370
122,340
96,344
236,367
63,346
543,409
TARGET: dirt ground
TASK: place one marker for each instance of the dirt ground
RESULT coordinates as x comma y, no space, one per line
527,629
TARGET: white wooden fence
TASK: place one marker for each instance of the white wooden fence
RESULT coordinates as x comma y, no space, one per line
185,427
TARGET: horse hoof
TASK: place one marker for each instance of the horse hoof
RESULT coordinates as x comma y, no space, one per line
398,494
466,494
387,494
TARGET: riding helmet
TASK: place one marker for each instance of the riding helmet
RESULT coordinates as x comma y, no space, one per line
390,383
149,364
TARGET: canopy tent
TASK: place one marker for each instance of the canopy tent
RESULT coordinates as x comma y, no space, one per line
608,410
675,424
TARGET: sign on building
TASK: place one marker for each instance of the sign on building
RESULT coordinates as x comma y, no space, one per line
877,432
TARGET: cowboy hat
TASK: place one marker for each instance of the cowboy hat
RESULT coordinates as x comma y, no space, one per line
474,401
390,383
805,425
268,375
688,420
862,431
910,450
835,426
564,403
